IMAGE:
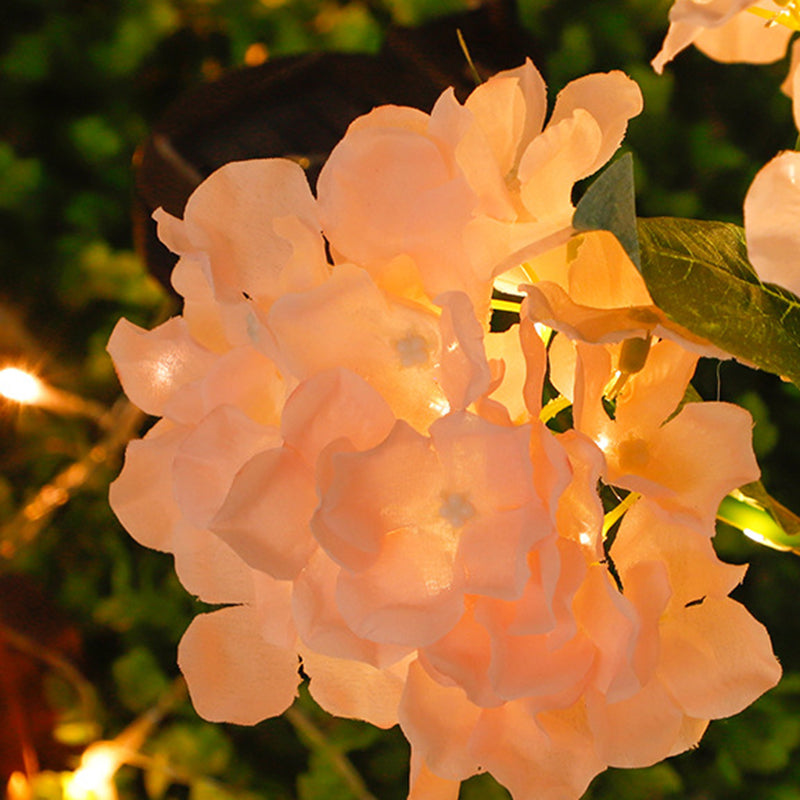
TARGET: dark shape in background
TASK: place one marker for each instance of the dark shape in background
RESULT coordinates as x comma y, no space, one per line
299,107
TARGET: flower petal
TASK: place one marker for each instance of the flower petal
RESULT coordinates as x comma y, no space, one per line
772,221
355,690
232,673
611,98
153,365
265,517
717,659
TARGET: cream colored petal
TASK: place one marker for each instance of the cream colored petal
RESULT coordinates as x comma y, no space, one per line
321,625
347,688
386,191
637,731
652,395
489,465
389,117
492,550
232,673
693,568
602,275
717,659
208,459
153,365
679,36
411,595
266,515
535,358
689,735
208,568
141,496
611,98
393,346
272,603
462,658
611,623
543,757
510,107
424,785
143,500
460,135
550,305
505,347
580,512
745,37
214,325
464,370
230,218
438,721
172,232
564,153
707,13
772,222
547,675
498,106
334,404
697,457
790,86
371,494
242,377
563,359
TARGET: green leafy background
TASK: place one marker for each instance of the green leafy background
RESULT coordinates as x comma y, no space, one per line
81,82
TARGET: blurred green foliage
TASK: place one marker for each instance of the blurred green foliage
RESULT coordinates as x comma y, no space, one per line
81,82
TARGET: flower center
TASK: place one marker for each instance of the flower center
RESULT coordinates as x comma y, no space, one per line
633,453
412,350
456,509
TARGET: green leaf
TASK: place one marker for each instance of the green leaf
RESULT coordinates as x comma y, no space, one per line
761,518
699,275
204,789
609,204
200,748
483,787
650,783
322,782
139,679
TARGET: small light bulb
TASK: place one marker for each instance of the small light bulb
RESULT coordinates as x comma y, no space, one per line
94,778
20,386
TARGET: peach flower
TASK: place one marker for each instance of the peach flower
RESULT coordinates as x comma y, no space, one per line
685,460
729,30
442,202
772,221
366,478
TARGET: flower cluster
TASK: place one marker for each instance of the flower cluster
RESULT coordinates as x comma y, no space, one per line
500,540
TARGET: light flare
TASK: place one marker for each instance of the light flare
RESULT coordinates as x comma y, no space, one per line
94,778
20,386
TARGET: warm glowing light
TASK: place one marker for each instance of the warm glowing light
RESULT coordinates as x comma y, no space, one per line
94,778
256,54
18,787
585,538
439,405
20,386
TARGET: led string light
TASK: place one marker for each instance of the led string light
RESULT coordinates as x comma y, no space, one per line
23,387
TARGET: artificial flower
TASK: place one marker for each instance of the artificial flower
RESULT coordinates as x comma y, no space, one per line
729,30
367,480
447,199
772,221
